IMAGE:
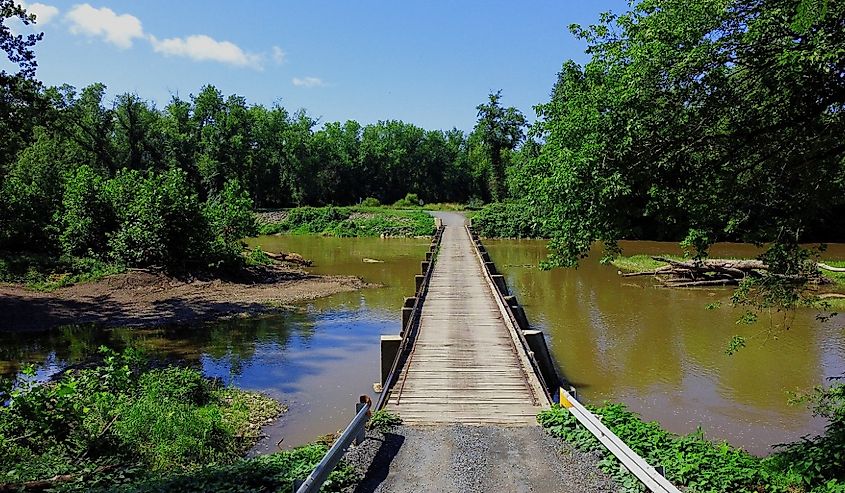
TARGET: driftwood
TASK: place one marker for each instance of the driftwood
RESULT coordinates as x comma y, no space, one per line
830,268
293,258
717,272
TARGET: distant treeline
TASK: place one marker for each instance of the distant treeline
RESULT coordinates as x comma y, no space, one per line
78,166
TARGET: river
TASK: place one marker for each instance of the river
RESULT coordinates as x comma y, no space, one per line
660,351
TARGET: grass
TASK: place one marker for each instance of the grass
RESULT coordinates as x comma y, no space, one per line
837,277
355,221
274,472
637,263
48,273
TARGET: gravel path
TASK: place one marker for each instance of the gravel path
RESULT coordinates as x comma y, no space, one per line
474,459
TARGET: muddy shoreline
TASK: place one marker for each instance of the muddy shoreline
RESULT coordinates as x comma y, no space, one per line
143,299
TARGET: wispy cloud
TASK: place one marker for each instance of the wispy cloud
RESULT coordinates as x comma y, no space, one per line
122,30
119,30
308,82
279,55
205,48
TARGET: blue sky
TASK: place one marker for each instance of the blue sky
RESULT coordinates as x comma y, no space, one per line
425,62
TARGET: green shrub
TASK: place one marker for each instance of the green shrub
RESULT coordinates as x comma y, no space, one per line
229,217
370,202
124,416
410,200
507,220
87,215
383,420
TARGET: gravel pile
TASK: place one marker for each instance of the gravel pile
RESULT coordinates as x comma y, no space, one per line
474,459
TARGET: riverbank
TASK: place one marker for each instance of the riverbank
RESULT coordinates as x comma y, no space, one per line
123,420
146,298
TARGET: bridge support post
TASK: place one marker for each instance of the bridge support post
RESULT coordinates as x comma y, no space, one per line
537,344
418,282
428,256
500,283
389,350
407,311
424,267
491,268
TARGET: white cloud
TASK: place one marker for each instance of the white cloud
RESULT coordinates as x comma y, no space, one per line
43,13
201,48
279,55
119,30
308,82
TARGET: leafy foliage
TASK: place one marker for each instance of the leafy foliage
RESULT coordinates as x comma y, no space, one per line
383,420
709,120
352,222
121,420
703,466
508,220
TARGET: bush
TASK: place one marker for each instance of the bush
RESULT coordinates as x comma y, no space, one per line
370,202
159,221
508,220
87,215
410,200
703,466
229,217
126,416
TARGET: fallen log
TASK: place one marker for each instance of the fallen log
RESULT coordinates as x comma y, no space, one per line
719,272
293,258
830,268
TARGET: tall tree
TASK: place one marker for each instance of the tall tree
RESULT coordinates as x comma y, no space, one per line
502,130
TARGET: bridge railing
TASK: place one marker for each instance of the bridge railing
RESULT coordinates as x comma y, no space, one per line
411,325
632,461
354,432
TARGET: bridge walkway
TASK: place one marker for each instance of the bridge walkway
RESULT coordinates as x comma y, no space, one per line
466,365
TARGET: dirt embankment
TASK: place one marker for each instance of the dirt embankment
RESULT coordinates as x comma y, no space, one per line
140,298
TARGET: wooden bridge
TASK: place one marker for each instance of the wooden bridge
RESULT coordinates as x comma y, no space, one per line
467,364
467,356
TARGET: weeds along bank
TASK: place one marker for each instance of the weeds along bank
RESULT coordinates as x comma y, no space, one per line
126,424
812,465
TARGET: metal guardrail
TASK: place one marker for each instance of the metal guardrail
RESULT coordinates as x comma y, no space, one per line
353,433
649,476
410,330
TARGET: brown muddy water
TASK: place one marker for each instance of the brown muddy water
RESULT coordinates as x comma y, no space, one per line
662,352
621,339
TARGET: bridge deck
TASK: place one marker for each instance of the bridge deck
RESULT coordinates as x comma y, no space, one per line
465,366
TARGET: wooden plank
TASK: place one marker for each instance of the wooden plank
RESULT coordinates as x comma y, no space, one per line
464,366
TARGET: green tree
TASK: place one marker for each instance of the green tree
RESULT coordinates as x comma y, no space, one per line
501,130
707,119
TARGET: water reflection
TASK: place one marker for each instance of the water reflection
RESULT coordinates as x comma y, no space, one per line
663,353
317,359
622,339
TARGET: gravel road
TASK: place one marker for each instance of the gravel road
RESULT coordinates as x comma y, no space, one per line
467,459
